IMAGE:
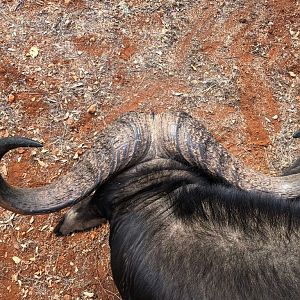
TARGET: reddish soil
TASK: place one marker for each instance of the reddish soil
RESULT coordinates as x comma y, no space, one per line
234,65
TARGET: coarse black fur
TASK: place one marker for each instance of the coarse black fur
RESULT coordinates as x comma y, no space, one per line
179,233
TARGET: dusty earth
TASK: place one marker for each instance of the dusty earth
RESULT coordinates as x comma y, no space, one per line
68,68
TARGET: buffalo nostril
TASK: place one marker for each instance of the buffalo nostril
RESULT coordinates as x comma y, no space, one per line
56,230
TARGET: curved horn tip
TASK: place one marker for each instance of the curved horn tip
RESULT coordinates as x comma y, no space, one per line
296,134
10,143
25,142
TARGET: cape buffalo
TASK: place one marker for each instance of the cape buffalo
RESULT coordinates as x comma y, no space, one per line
187,220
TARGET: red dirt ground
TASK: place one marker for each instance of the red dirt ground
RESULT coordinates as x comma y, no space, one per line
233,64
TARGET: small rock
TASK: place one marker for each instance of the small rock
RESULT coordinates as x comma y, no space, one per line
4,170
11,98
21,151
16,259
34,51
14,277
88,294
292,74
92,109
67,297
